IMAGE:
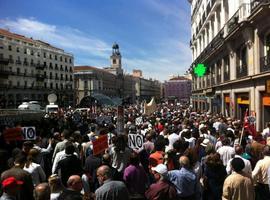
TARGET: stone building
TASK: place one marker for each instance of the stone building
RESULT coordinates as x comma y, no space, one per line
31,69
232,39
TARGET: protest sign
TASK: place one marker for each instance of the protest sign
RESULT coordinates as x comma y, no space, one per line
139,121
135,141
13,134
29,133
100,144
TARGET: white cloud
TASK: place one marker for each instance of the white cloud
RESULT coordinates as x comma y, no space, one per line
168,56
69,39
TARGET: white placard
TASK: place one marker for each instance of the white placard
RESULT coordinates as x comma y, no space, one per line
139,121
135,141
29,133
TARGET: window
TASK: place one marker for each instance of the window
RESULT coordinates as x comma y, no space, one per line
25,84
114,61
25,72
267,45
55,57
70,69
56,67
70,61
243,56
38,54
50,75
45,85
65,59
50,56
18,83
9,48
1,47
44,55
18,71
32,52
56,86
61,59
18,49
25,51
51,85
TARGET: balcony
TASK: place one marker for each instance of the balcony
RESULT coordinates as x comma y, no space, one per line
255,4
241,71
40,77
40,67
5,72
18,62
4,61
265,64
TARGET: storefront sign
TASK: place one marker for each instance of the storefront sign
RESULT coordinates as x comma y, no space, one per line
266,101
267,86
240,100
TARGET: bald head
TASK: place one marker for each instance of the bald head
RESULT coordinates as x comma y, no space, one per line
184,161
104,173
238,150
74,183
42,192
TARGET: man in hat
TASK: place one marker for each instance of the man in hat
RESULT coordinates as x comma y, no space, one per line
17,171
10,188
238,185
162,189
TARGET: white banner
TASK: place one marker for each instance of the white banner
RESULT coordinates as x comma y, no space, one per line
29,133
135,141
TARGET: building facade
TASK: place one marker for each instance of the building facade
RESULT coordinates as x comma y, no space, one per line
31,69
178,87
232,39
111,81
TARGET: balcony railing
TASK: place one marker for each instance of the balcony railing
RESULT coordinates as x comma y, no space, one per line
241,71
265,63
255,3
4,60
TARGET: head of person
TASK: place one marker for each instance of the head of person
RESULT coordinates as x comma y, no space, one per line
159,144
69,148
11,186
237,164
42,192
184,162
134,159
160,172
55,183
266,150
103,173
74,183
27,146
20,161
213,160
65,135
239,150
106,159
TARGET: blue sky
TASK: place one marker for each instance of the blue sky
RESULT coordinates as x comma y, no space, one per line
153,35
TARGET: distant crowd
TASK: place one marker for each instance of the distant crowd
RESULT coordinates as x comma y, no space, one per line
184,155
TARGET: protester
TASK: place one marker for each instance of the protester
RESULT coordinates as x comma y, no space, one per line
56,186
10,187
238,185
42,192
73,191
109,189
162,189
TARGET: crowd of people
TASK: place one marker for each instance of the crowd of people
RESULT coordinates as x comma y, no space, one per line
185,155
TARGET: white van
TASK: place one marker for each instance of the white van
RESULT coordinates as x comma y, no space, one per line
31,105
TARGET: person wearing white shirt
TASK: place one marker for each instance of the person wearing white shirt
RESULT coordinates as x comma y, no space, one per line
266,131
238,152
36,171
172,139
226,152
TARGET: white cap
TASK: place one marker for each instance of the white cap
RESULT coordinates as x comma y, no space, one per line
160,168
205,142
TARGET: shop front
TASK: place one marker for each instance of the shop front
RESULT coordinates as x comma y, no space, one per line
242,105
265,109
227,103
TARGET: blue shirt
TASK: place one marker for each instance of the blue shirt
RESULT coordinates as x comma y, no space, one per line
185,182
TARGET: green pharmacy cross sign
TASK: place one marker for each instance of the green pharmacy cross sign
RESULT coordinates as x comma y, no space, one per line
200,70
